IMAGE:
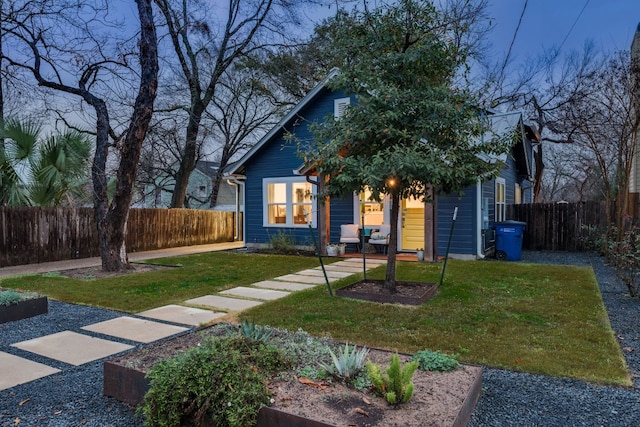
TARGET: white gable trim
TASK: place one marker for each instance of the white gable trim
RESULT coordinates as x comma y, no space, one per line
289,116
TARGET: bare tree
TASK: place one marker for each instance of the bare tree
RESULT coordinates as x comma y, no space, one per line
206,49
243,109
75,49
604,123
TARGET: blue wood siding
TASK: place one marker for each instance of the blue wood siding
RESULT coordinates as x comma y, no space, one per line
464,237
278,158
341,213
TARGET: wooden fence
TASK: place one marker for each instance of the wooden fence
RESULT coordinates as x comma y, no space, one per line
558,226
33,235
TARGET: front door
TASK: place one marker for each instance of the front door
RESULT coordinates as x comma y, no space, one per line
412,224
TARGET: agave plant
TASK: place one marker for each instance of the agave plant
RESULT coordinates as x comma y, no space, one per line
251,330
347,364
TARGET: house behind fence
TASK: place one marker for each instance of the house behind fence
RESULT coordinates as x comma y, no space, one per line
558,226
30,235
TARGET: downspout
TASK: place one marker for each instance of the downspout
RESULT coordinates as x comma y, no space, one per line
479,237
239,227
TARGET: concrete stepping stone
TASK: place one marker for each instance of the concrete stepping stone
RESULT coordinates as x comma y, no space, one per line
263,294
283,286
71,347
299,278
134,329
183,315
358,261
330,274
16,370
233,304
342,268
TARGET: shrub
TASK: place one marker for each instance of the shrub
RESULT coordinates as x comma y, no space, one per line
395,385
435,361
223,381
625,256
347,364
282,243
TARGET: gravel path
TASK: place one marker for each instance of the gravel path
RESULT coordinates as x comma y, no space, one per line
74,397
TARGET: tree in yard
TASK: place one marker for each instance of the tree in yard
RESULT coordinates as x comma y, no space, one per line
206,49
41,173
79,49
604,123
410,130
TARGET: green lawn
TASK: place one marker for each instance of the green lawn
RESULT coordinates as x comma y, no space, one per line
524,317
198,275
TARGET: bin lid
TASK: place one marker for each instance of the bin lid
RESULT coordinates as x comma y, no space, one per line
511,222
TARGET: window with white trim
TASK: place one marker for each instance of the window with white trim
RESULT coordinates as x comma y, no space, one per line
372,209
501,206
340,107
288,202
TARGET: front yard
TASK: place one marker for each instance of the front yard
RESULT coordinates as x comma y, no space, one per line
523,317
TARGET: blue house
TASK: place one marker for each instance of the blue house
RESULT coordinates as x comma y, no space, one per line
278,192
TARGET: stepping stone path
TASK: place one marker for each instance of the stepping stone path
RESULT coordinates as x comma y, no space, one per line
103,339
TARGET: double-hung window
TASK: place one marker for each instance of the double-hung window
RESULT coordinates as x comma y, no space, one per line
288,202
501,206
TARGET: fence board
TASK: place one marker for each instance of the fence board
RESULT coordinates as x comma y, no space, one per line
558,226
32,235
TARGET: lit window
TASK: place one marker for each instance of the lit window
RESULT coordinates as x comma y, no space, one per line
501,206
372,209
288,202
517,194
277,203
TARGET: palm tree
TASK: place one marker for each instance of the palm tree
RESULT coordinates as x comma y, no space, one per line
35,172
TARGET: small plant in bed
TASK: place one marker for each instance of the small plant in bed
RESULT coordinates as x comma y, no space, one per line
18,305
10,297
395,384
435,361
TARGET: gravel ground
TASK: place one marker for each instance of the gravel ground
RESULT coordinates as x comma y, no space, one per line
74,396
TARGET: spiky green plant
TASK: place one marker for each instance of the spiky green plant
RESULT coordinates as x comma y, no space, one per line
347,364
253,331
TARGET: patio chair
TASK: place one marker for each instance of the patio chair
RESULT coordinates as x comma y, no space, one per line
350,234
380,238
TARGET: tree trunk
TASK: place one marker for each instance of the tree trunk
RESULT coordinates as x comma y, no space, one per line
189,157
390,276
113,225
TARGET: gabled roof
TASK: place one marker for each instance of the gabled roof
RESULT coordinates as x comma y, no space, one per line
208,168
237,167
504,123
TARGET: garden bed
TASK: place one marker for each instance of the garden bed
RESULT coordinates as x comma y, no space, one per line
440,399
23,309
410,293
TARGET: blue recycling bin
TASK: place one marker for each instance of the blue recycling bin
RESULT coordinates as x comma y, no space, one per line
509,240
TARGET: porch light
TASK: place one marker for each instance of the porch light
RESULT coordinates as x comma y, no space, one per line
391,182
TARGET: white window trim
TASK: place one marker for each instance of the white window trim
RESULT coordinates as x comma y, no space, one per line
339,107
500,206
289,209
357,215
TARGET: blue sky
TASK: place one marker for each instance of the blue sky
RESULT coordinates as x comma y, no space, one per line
611,24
